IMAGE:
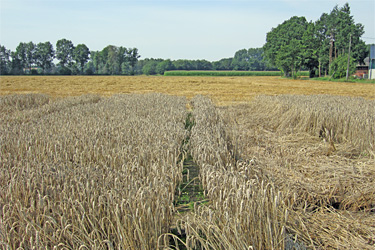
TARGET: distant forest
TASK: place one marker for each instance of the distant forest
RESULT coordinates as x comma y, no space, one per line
30,58
322,47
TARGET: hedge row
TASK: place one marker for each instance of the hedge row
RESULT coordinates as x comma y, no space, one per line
221,73
227,73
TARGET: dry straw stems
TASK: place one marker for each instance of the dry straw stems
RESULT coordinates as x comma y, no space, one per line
245,211
222,90
329,193
89,172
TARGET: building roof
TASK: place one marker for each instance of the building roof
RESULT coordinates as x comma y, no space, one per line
366,62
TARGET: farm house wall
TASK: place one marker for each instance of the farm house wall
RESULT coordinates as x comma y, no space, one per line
372,62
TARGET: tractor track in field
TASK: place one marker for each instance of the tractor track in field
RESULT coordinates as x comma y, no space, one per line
190,192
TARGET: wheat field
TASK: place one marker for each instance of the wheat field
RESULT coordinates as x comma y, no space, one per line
222,90
97,163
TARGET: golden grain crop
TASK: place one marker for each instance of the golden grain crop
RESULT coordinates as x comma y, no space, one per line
329,192
222,90
89,173
245,210
100,171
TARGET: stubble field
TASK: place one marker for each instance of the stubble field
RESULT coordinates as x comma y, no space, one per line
100,163
222,90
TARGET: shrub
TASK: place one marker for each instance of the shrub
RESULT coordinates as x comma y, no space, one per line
339,66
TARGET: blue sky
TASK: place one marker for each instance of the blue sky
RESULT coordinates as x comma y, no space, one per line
178,29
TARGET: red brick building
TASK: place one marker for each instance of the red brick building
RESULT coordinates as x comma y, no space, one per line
362,70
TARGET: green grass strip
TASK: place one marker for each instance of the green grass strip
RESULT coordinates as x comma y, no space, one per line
220,73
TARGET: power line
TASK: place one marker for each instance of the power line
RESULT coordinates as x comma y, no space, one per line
369,37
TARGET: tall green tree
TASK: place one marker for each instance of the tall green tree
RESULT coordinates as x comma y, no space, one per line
334,30
111,57
256,59
310,49
251,59
81,55
290,57
202,65
16,67
25,55
284,45
113,60
97,61
241,60
340,64
44,55
133,56
150,67
296,43
163,66
123,62
20,55
4,60
30,55
182,64
64,52
323,43
223,64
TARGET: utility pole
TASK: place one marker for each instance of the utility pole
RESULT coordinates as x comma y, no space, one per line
347,68
330,53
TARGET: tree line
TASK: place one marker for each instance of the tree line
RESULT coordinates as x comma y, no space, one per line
244,59
30,58
322,47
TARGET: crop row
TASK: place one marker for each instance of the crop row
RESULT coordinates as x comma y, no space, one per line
282,172
89,172
245,209
275,179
